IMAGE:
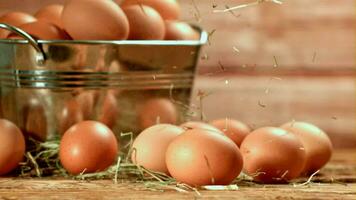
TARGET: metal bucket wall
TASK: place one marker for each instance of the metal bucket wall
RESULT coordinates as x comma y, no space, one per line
128,85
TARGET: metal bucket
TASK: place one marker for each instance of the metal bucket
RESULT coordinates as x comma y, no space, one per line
47,86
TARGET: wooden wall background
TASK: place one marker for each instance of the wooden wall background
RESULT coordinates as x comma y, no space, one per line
271,63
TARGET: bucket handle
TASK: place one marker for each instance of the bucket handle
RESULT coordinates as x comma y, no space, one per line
40,56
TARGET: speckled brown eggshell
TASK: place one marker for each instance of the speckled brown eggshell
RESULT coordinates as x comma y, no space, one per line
51,13
95,20
155,110
168,9
15,19
316,142
12,146
88,147
234,129
145,23
272,155
201,157
150,146
176,30
42,30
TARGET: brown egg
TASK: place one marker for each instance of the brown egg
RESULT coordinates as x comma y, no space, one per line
95,20
233,129
272,155
42,30
317,144
145,23
70,114
168,9
176,30
150,146
109,111
35,120
88,146
15,19
51,13
156,110
12,146
202,157
199,125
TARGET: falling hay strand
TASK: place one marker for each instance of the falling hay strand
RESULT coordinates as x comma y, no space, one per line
247,5
232,12
314,57
275,61
236,49
184,106
222,67
261,104
201,95
267,90
197,13
210,35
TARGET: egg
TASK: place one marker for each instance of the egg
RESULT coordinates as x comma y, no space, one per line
156,110
12,146
42,30
35,120
199,125
109,110
201,157
317,144
145,23
272,155
95,20
69,114
150,146
88,147
176,30
15,19
51,13
233,129
168,9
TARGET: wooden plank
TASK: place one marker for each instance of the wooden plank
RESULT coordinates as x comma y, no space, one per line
330,185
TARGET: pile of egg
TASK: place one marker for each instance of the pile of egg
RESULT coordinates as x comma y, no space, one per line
103,20
194,153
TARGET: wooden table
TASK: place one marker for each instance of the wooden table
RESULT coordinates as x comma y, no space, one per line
336,181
